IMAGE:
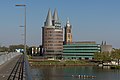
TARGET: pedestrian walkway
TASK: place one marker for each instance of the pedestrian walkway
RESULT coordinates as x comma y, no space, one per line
7,67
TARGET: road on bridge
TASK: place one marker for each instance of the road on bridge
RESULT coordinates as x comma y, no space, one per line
7,67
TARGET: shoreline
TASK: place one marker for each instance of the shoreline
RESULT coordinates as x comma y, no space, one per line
64,63
37,65
36,62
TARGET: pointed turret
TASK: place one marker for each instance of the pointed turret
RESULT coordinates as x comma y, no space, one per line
56,22
68,23
102,43
105,43
55,16
49,19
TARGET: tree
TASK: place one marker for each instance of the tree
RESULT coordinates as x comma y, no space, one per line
115,55
4,49
102,56
13,47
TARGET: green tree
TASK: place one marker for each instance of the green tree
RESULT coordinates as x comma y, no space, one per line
4,49
97,56
115,55
102,56
13,47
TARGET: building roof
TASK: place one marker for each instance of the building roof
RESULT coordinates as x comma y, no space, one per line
49,19
55,16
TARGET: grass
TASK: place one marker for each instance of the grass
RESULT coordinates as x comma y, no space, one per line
60,63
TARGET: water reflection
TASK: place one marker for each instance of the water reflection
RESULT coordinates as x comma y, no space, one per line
65,73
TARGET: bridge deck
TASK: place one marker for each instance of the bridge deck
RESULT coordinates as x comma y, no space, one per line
7,68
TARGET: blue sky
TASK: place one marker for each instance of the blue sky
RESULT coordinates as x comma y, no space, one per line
92,20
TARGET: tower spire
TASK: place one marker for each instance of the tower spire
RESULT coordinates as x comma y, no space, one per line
49,19
55,15
105,43
68,22
102,43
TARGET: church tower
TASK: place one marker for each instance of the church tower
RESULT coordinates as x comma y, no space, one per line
68,33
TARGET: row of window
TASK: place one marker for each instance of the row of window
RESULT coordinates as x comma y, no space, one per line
54,35
54,48
81,46
55,38
53,51
53,41
77,52
53,44
54,32
83,49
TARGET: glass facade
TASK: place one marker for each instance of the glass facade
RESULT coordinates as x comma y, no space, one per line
80,51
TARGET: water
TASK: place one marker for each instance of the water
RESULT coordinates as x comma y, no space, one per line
65,73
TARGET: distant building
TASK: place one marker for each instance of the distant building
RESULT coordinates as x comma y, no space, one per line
34,51
77,50
19,50
80,50
68,33
52,36
52,41
105,47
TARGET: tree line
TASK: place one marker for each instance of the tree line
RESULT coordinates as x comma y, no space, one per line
12,48
107,56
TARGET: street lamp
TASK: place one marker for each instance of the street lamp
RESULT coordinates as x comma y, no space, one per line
27,70
23,5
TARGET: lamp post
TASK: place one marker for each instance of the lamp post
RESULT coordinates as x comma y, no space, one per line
23,5
27,69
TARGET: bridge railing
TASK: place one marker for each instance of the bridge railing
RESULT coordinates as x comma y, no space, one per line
5,56
27,68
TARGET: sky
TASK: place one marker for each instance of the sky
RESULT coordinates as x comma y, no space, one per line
91,20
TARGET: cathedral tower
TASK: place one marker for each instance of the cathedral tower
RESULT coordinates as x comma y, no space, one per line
68,33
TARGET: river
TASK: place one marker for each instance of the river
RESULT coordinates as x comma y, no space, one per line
65,73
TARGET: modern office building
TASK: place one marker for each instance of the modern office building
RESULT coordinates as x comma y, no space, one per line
52,36
80,50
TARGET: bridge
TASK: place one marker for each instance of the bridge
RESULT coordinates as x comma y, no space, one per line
14,66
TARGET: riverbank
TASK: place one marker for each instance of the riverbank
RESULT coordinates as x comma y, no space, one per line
115,67
37,62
